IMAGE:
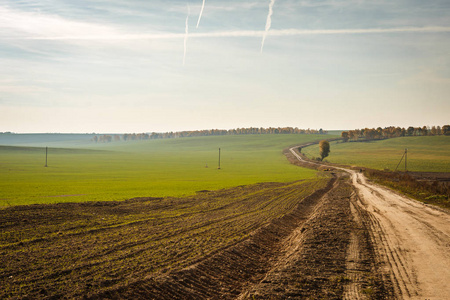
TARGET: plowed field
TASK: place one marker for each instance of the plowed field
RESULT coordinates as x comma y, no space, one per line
259,241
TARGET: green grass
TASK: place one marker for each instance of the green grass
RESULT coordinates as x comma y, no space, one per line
172,167
425,153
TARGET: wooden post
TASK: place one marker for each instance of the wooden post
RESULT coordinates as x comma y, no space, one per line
219,160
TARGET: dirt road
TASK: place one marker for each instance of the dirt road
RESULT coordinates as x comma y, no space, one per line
411,240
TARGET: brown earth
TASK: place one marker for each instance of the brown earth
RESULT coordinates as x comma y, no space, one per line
262,241
300,256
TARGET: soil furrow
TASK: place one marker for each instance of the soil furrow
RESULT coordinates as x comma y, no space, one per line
228,271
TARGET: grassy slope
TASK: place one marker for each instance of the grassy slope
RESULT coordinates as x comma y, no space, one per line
426,154
172,167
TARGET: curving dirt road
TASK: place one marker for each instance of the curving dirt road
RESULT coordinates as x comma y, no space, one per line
411,240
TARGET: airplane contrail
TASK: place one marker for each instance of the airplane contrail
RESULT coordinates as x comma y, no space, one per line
201,12
268,23
186,34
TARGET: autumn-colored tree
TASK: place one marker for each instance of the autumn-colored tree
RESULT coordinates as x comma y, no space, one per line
380,132
324,148
403,132
433,130
344,136
410,130
446,130
352,135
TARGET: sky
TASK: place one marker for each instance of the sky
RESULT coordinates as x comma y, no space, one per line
159,65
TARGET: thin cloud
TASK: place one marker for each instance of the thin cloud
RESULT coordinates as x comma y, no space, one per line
16,23
240,33
268,23
186,34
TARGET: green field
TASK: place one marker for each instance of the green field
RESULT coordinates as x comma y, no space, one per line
425,153
171,167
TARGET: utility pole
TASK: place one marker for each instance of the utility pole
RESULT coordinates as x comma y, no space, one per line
406,165
219,160
405,155
46,154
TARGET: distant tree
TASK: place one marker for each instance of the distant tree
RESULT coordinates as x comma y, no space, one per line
370,134
446,130
324,148
410,130
403,133
433,130
380,132
344,135
105,138
418,131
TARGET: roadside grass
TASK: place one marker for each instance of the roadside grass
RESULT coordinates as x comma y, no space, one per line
432,192
156,168
425,153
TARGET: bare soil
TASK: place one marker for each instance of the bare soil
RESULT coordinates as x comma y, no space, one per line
431,176
201,247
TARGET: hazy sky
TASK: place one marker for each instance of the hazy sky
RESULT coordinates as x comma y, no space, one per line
144,65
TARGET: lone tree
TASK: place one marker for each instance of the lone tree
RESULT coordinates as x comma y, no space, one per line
324,147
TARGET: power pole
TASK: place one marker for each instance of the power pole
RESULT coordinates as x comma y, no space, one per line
46,154
219,160
405,154
406,165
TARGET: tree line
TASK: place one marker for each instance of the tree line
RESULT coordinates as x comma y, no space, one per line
391,132
107,138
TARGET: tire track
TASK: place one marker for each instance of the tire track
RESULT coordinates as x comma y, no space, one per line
352,291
